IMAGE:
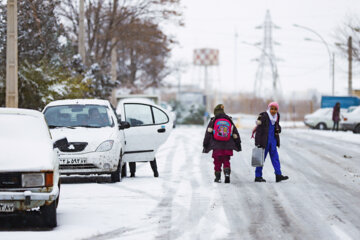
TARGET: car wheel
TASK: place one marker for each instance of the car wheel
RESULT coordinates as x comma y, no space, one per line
357,129
48,213
124,171
116,176
321,126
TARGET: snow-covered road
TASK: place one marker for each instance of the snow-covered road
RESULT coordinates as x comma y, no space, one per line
320,201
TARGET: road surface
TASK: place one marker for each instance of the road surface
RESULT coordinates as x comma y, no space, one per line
320,200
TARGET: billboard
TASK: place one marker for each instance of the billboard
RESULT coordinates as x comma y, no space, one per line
206,57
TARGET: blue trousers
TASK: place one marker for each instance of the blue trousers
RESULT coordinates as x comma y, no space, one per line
270,148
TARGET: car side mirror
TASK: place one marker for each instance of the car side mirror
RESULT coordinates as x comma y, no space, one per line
124,125
61,143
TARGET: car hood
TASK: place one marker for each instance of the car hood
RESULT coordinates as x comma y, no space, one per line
80,134
26,155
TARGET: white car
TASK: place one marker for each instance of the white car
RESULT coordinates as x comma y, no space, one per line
95,136
351,120
321,118
29,165
150,127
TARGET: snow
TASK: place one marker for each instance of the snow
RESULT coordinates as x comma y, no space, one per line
319,201
25,142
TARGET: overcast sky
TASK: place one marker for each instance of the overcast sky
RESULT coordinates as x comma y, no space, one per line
304,65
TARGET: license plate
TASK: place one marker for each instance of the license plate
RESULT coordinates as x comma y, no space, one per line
72,161
7,207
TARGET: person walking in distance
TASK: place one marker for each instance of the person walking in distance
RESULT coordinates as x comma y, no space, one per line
336,116
267,136
222,138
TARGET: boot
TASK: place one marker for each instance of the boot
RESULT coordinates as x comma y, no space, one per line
227,172
154,167
217,176
132,166
259,179
280,178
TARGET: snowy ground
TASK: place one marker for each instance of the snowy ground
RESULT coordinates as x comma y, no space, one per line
320,201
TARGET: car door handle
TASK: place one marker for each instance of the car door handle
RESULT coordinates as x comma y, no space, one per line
161,130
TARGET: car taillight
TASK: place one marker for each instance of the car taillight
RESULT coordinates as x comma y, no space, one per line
49,179
345,119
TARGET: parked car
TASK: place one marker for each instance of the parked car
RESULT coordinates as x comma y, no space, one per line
150,127
321,118
351,120
29,165
95,135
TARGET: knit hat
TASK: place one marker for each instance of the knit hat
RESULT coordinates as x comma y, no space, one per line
219,109
273,104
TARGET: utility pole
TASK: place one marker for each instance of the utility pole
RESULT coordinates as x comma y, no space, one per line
235,58
333,74
350,65
113,68
12,56
81,34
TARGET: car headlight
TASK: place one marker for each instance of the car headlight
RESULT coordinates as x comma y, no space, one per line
33,180
105,146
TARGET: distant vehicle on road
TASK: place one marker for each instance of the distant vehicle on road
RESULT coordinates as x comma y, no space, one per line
29,165
352,120
95,134
321,118
345,102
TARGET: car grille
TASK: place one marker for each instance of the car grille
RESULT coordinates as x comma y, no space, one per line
10,180
74,147
78,166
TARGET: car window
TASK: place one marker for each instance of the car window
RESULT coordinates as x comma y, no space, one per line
138,114
159,116
23,127
78,115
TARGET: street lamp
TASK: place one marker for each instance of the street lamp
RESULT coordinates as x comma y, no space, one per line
331,55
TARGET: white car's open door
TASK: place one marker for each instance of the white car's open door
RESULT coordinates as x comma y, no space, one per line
150,126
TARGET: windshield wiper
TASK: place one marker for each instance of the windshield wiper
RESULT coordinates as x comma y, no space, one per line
54,126
87,126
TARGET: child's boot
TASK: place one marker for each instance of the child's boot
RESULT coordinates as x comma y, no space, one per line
217,176
259,179
227,172
280,178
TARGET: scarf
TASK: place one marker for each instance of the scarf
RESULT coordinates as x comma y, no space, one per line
273,119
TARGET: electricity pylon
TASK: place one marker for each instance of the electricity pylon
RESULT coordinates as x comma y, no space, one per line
267,60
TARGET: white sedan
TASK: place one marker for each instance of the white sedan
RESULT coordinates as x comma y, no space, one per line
321,118
29,167
95,135
351,120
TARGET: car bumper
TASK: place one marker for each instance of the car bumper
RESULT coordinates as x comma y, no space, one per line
96,163
348,126
28,199
309,124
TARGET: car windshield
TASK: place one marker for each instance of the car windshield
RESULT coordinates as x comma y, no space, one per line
19,126
76,115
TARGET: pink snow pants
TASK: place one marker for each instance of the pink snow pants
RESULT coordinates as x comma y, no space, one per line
219,161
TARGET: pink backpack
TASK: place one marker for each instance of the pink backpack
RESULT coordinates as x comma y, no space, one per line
222,129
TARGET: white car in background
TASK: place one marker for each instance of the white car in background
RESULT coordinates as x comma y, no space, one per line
95,136
150,125
351,120
321,118
29,165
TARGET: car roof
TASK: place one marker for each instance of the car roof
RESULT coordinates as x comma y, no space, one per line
21,111
137,100
78,101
